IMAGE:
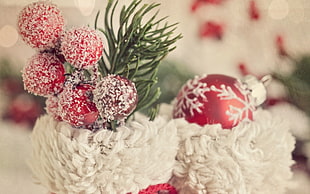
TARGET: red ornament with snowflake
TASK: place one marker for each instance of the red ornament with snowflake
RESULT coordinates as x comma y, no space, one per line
214,99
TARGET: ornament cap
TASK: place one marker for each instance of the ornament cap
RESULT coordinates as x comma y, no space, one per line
257,87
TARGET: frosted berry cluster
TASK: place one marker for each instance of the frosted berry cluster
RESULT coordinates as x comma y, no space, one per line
70,96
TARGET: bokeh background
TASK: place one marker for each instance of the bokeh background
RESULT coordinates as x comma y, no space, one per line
232,37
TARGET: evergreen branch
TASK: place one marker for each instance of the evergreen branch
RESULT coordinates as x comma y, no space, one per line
96,19
137,46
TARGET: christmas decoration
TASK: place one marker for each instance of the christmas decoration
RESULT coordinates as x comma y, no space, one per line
88,120
215,99
44,74
52,107
87,143
81,47
116,97
75,105
41,24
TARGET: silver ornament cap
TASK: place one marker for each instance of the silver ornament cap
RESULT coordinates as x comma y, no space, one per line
257,87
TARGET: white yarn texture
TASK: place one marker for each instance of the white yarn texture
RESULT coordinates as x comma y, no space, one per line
252,158
70,161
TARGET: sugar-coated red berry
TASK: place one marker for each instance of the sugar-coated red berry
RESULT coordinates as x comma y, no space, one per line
41,24
76,106
116,97
52,107
82,47
44,74
214,99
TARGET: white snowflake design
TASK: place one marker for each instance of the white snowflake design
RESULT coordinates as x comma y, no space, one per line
236,113
188,99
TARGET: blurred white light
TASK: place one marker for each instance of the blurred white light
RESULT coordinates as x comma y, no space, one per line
86,7
8,36
278,9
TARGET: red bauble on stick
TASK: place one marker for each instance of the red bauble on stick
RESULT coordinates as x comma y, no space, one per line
214,99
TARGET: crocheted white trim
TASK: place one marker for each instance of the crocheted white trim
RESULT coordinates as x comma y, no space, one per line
70,161
254,157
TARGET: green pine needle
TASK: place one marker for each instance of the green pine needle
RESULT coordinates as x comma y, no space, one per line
137,46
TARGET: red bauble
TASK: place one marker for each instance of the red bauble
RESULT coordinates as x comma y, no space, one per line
44,75
116,97
41,24
76,106
214,99
82,47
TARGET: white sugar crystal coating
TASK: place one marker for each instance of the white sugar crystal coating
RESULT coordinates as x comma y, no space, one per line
115,97
82,47
40,25
44,74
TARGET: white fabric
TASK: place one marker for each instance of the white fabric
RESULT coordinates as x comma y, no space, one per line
71,161
254,157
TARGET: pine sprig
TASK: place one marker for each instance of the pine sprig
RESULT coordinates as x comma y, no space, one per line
298,83
137,46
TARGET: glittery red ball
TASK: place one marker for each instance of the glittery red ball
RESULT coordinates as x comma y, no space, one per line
52,107
116,97
76,106
159,189
44,74
41,24
82,47
214,99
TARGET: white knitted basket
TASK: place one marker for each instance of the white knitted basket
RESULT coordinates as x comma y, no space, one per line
67,160
252,158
